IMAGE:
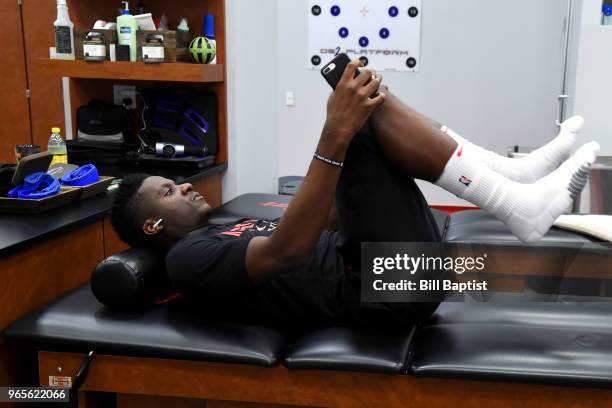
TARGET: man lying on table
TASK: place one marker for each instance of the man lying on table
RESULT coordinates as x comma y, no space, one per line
295,270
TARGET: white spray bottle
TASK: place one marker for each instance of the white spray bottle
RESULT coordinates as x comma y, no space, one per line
64,33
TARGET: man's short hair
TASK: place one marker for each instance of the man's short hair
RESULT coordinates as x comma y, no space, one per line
126,215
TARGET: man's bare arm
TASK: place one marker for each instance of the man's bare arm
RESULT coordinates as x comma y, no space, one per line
294,239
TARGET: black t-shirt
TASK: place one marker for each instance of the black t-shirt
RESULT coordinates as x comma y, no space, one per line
376,203
208,268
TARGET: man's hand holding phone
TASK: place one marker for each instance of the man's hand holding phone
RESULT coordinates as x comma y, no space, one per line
352,102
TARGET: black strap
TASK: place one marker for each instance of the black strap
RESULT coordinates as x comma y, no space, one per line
79,379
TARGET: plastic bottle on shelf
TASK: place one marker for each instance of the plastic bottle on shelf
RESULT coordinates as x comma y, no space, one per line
163,23
64,33
126,30
209,32
141,8
57,147
183,37
183,25
607,14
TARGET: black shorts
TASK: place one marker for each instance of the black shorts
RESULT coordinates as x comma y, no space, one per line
378,203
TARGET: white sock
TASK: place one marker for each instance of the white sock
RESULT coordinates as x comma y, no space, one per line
535,165
529,210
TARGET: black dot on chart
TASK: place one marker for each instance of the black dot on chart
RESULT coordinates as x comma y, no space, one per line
411,62
413,12
335,10
393,11
343,32
384,33
364,42
316,60
364,60
316,10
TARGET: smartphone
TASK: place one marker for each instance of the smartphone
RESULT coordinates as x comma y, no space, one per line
333,71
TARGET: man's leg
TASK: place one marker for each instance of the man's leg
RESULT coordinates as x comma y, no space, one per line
378,203
426,140
537,164
416,146
412,143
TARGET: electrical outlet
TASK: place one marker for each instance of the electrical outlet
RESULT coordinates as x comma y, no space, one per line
122,92
290,99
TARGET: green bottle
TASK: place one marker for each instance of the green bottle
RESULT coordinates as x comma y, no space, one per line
57,147
126,30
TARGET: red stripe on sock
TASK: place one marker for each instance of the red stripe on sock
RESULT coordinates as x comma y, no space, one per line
450,209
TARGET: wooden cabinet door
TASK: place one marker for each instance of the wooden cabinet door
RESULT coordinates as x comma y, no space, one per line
15,111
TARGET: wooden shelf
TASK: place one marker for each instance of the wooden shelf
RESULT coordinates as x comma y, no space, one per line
131,71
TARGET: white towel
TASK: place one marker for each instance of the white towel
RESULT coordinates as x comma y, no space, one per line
598,226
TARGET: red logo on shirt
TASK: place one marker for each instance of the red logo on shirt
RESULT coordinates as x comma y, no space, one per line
272,204
167,299
460,152
239,229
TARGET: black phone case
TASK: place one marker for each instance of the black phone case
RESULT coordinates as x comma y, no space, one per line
337,65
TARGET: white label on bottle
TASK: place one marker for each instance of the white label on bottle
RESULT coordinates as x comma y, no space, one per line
63,43
125,35
90,50
153,53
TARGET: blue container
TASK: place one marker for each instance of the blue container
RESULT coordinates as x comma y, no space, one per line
606,10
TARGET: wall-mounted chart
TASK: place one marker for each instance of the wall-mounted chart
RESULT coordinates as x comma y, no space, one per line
385,35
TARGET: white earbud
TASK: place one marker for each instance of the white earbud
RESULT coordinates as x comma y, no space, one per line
158,223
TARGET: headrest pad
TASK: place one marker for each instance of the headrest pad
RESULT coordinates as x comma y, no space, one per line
130,280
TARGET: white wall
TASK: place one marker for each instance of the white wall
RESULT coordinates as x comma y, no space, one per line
593,90
489,69
252,97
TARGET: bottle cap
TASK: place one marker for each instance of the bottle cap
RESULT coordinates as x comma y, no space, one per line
126,11
607,9
209,26
55,130
183,26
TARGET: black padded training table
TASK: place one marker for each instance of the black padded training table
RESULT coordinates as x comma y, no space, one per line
513,348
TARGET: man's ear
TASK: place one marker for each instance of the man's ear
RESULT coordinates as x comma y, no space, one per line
150,228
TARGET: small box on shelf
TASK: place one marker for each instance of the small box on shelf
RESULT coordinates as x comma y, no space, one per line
175,43
110,37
